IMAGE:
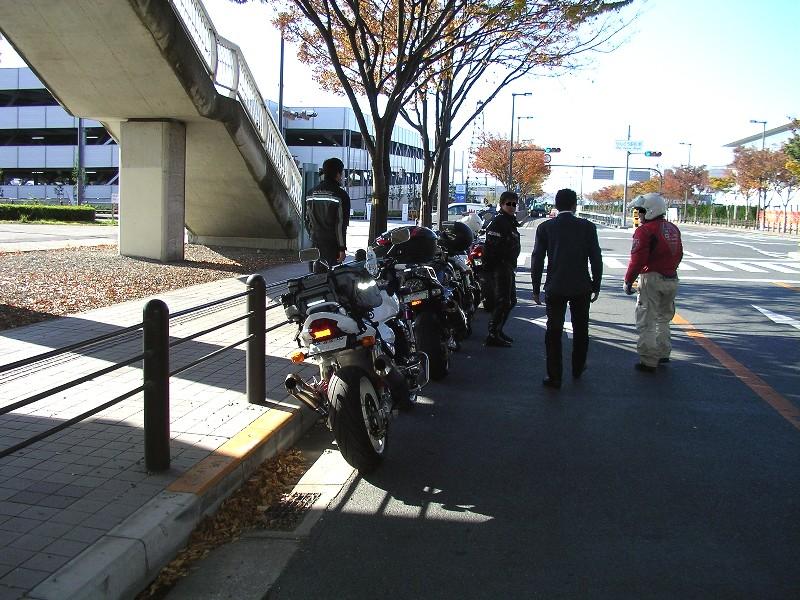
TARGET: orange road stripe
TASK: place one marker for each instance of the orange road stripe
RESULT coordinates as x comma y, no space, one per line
787,286
229,456
783,406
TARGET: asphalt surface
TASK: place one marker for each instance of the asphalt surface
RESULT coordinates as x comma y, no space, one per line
679,484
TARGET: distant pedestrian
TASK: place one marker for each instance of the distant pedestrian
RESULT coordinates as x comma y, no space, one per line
500,258
571,246
328,214
656,252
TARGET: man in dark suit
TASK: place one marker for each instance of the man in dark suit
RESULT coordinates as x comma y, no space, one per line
570,244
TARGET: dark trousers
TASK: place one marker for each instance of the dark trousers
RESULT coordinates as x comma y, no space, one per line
328,251
579,313
505,297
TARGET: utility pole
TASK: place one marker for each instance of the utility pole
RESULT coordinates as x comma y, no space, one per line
625,188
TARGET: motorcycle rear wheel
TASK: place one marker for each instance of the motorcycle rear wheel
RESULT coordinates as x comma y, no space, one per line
361,432
430,340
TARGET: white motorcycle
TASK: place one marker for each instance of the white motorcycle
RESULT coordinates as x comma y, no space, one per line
368,364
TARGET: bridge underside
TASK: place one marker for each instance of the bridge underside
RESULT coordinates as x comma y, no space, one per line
189,154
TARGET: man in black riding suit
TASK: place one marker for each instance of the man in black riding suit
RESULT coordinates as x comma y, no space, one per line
500,258
328,214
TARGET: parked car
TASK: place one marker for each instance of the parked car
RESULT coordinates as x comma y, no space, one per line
537,212
459,209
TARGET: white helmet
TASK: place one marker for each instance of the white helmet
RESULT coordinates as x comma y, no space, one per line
653,205
636,202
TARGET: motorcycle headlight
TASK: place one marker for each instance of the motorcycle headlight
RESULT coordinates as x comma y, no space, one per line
372,263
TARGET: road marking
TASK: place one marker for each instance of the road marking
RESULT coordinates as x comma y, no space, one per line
711,265
614,263
684,266
744,266
691,254
776,318
542,322
780,268
521,260
764,391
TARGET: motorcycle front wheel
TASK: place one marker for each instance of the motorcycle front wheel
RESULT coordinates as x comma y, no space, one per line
360,429
430,340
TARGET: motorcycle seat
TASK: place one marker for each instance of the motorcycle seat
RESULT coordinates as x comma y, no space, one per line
324,307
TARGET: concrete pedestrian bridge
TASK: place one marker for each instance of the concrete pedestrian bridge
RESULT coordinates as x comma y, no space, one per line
198,147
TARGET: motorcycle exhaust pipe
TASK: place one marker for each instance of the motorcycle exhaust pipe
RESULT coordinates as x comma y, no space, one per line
297,388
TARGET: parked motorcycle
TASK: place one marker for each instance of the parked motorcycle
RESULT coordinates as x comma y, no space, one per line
439,322
367,369
455,239
482,276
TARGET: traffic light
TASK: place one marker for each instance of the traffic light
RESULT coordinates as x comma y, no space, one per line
652,153
552,150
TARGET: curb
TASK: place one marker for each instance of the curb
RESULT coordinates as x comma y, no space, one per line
125,560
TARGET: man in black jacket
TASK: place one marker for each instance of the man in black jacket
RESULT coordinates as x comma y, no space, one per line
328,213
570,244
500,258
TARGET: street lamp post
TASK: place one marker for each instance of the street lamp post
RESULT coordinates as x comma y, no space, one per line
760,182
511,142
686,191
763,130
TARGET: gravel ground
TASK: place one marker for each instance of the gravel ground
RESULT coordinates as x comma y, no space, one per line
41,285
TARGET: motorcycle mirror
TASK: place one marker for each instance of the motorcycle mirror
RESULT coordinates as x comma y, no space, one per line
308,254
400,235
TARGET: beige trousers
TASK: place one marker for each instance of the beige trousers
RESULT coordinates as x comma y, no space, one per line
655,307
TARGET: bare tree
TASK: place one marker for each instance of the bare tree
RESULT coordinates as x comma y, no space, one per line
387,51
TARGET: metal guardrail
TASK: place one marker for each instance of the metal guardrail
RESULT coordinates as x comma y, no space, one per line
156,367
602,218
228,69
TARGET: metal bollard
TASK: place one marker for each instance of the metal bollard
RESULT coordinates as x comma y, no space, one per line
256,344
156,386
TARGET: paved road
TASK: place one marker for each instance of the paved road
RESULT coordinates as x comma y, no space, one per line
18,238
682,484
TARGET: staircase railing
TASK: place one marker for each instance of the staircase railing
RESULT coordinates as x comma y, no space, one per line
229,71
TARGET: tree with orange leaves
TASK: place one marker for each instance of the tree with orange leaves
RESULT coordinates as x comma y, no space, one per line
530,170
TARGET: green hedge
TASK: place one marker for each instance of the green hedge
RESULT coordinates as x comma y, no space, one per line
46,212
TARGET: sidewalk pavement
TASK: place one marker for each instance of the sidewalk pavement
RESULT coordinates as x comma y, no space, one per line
80,516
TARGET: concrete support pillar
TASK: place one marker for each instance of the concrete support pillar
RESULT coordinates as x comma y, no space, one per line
152,189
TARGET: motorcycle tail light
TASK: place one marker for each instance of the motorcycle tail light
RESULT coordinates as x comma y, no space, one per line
324,329
368,340
381,241
476,252
297,356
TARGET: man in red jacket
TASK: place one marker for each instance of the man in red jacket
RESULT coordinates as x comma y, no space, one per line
656,252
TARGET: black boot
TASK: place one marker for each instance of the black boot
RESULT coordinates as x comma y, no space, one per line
501,334
494,339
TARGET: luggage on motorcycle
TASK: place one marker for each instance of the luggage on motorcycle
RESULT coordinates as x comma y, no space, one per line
420,247
455,237
357,286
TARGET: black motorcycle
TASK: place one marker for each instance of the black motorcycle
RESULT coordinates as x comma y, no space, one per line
438,320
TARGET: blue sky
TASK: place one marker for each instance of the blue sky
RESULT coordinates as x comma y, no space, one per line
689,70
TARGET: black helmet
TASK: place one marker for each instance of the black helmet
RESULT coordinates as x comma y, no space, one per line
455,236
420,247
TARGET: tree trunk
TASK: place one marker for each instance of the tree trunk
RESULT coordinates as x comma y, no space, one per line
381,172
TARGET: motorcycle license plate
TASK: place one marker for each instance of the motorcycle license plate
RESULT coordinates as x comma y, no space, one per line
416,296
328,345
